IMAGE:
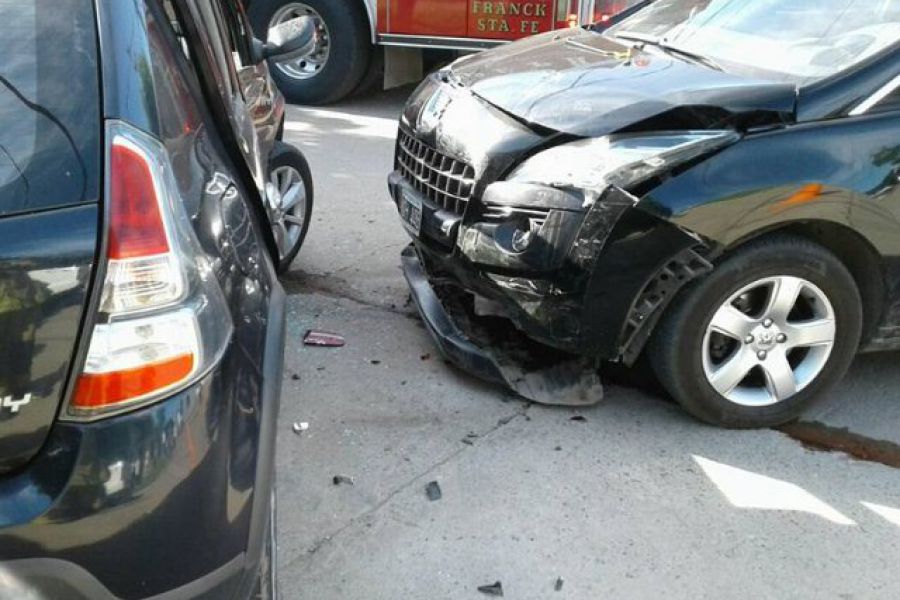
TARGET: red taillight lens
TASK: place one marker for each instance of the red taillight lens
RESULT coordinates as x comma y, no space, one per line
162,320
98,390
136,226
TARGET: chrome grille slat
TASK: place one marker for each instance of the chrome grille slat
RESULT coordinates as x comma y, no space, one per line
440,178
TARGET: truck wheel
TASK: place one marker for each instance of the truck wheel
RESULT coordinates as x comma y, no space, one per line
340,58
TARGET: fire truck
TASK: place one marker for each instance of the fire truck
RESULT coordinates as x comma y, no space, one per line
361,43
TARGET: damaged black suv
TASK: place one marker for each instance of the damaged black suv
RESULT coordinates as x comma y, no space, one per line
712,183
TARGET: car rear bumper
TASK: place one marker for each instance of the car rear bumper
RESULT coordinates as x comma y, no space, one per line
168,502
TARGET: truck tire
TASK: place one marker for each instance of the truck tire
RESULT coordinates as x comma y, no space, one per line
337,65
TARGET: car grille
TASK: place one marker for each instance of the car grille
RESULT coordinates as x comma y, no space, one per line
442,179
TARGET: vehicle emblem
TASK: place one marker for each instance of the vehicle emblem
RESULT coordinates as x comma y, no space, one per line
433,111
15,405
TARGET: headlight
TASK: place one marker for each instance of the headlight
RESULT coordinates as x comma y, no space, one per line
620,160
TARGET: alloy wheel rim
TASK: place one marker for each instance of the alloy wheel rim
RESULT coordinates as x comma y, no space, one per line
308,66
769,341
287,208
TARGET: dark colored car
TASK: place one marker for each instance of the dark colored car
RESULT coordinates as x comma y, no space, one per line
141,320
233,66
712,184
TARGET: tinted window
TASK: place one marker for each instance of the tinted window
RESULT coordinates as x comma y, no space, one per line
889,104
49,104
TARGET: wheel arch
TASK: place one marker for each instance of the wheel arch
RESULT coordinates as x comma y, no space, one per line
854,250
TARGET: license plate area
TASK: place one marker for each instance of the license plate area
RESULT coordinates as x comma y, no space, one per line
411,212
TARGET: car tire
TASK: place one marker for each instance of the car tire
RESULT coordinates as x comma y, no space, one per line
339,73
267,580
285,159
690,354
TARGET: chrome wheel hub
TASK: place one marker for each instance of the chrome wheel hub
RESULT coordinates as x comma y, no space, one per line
304,67
769,341
286,196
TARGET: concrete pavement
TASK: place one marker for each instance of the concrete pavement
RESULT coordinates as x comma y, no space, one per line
636,501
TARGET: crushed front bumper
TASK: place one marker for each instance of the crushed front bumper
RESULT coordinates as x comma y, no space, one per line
534,372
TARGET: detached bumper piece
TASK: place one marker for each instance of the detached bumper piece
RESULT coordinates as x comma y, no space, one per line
491,349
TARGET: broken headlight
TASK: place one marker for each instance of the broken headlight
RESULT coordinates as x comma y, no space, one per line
619,160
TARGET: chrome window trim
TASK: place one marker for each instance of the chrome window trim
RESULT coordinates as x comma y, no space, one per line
876,98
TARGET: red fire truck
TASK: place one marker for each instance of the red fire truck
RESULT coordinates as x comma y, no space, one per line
362,41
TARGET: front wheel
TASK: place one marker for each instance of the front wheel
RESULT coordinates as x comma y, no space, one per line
772,328
289,195
340,58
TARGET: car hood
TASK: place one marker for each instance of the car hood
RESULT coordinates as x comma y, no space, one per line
587,84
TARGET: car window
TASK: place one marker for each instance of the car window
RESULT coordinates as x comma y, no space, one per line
238,36
798,41
49,105
889,104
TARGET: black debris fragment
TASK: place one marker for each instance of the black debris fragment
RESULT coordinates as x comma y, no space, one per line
342,480
425,357
468,441
558,586
433,491
494,589
295,377
558,449
505,420
375,362
578,419
323,339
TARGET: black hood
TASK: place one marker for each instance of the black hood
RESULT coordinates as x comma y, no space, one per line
586,84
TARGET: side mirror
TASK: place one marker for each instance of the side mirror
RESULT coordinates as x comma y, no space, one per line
288,40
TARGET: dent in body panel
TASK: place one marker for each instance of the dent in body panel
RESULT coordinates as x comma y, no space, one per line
844,172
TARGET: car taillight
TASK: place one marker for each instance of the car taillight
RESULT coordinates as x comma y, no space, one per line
163,320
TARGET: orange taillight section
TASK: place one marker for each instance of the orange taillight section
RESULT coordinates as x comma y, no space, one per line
98,390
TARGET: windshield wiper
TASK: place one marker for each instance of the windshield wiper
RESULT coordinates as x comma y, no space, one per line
637,37
699,58
647,40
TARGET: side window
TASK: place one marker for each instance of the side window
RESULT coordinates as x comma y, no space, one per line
49,105
174,22
889,104
238,36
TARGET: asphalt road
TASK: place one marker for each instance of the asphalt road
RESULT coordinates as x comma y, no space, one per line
635,501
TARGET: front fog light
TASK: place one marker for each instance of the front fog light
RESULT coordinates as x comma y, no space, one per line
518,233
524,235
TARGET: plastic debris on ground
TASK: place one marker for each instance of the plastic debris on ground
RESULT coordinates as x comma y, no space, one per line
323,339
558,586
300,427
342,480
494,589
433,491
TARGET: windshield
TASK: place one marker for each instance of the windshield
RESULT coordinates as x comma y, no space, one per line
788,40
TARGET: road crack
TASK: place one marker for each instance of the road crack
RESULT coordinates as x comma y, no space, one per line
521,413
